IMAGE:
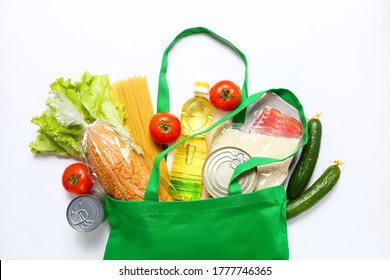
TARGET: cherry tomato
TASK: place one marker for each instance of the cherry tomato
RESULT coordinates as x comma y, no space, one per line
225,95
164,128
76,179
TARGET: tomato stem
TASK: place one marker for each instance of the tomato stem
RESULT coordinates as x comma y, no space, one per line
165,126
73,179
226,95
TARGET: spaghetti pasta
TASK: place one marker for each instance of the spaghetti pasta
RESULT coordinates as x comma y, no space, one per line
134,94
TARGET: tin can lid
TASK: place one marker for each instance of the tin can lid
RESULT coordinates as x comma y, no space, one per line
85,213
218,170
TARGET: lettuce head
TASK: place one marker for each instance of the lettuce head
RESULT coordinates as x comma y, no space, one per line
62,124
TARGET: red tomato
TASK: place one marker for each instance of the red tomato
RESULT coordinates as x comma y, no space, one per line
272,122
164,128
225,95
76,179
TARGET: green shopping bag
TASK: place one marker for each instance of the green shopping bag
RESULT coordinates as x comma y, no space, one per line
238,226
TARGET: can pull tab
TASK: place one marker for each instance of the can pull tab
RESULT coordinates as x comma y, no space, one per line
79,217
190,152
237,160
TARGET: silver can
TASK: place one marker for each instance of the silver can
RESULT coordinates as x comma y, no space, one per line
86,212
219,168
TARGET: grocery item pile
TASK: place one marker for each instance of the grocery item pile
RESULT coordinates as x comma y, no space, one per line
114,135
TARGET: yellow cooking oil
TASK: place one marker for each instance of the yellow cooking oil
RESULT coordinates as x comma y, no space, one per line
189,157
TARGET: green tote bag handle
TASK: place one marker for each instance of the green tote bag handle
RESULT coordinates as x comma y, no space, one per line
163,89
151,193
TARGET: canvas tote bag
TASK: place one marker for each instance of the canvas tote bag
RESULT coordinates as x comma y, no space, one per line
238,226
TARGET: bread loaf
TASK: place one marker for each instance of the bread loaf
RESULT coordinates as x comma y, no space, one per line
121,171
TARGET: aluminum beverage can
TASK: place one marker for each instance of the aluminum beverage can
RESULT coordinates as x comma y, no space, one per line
86,212
218,170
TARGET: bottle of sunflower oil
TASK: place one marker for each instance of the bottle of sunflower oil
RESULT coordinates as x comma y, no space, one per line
189,157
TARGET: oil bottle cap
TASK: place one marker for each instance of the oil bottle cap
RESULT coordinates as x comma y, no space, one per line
202,87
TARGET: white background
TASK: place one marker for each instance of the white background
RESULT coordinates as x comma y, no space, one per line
334,55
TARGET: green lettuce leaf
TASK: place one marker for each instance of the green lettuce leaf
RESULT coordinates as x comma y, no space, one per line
44,144
96,99
67,137
71,91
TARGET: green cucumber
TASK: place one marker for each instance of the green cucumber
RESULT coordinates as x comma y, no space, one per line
316,192
304,168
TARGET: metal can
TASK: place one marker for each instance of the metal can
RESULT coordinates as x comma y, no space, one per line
219,168
86,212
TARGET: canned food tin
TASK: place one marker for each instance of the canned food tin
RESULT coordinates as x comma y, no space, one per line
218,170
86,212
